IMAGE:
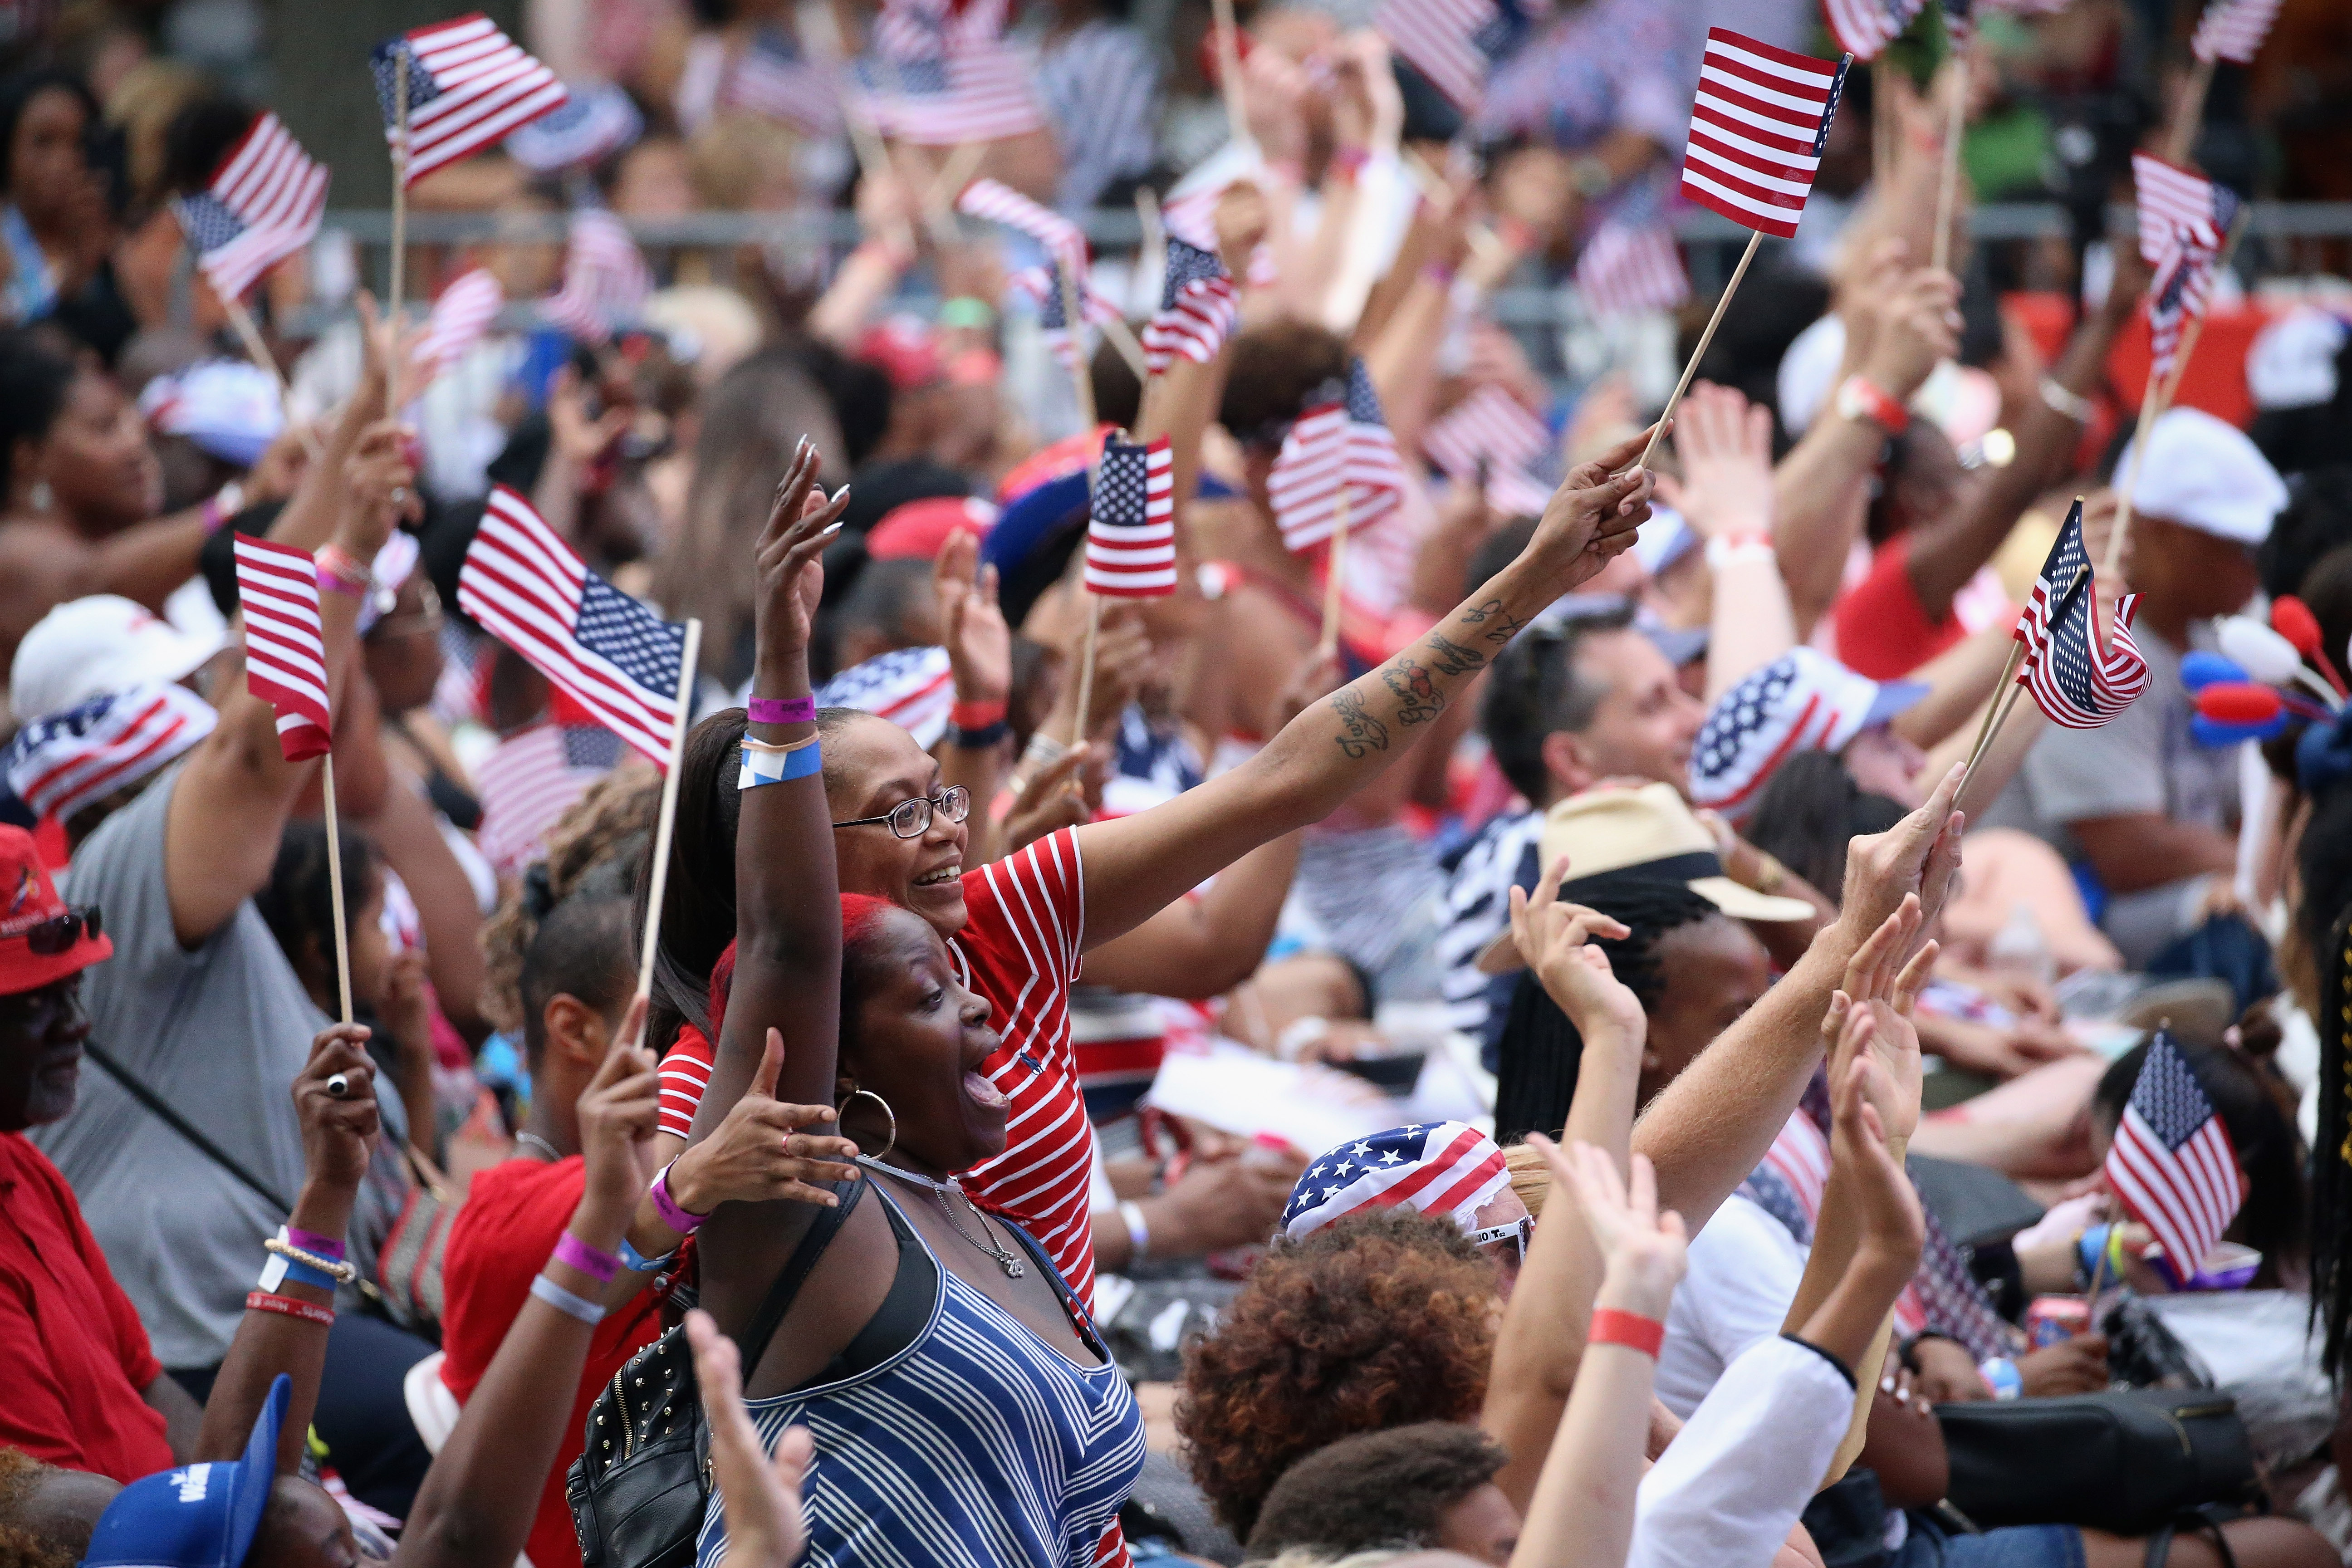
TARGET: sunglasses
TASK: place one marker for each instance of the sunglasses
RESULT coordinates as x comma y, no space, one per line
59,933
1516,1233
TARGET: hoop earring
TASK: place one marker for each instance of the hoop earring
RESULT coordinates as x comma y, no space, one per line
42,498
870,1094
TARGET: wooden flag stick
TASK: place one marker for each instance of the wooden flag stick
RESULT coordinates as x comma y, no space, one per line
2000,690
1122,336
399,224
668,819
335,885
1086,664
954,174
1754,239
2151,403
1948,193
1229,71
820,31
2007,699
241,320
1073,320
2188,115
1335,575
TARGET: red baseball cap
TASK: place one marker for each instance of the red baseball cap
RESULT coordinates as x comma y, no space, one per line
920,528
904,349
41,940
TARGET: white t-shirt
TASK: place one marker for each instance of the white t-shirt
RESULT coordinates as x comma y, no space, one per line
1744,1271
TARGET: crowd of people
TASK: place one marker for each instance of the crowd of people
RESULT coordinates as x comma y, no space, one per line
1557,1026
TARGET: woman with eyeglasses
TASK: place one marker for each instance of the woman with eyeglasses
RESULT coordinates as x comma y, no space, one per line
1017,929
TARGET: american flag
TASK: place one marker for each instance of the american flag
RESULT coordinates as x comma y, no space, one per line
994,202
1131,530
941,75
462,313
1757,130
1198,307
1627,267
913,688
617,658
263,204
2233,30
2169,199
605,280
2172,1162
588,124
1489,425
533,778
1375,477
2067,675
66,761
468,85
1864,27
284,647
1308,473
1448,1168
774,78
1455,42
1043,285
2178,292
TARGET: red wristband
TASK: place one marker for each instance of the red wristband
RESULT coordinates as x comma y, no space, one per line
289,1307
1634,1332
975,715
1858,398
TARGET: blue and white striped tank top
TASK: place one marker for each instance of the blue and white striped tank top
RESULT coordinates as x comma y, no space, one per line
978,1446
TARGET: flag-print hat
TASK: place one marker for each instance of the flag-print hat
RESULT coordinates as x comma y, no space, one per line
1446,1168
1802,702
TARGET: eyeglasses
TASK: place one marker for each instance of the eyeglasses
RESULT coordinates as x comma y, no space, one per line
912,818
1516,1233
59,933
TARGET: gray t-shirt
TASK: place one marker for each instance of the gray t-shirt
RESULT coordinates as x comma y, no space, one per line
218,1034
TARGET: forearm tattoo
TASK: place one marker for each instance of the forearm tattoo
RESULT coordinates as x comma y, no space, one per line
1505,626
1359,732
1452,659
1418,698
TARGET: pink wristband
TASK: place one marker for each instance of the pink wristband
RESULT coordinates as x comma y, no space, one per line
312,1241
677,1219
784,710
594,1261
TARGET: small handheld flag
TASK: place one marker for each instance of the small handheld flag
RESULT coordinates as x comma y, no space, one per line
263,204
941,75
1375,477
469,85
1132,531
1043,284
605,282
1198,307
2233,30
2170,199
1489,425
995,202
522,585
2079,687
774,78
1864,27
285,645
1309,474
460,316
1757,130
1456,43
2179,290
2172,1163
1625,270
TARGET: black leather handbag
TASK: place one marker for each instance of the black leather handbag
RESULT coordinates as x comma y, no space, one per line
2126,1461
640,1487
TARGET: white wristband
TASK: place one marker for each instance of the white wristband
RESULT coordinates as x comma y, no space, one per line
564,1302
1723,552
1139,1233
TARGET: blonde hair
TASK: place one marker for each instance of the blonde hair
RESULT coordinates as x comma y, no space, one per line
1530,1177
617,811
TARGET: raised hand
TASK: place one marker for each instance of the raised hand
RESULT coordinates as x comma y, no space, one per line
1050,801
379,490
1917,855
1874,1013
619,1113
1893,1228
1725,445
1593,517
979,642
760,1152
339,1130
762,1496
1554,940
1645,1251
791,577
1917,327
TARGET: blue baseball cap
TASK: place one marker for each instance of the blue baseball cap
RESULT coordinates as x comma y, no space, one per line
197,1516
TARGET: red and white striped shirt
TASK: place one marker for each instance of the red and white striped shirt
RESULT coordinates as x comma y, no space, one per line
1019,948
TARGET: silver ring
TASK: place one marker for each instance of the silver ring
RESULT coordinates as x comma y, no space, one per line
338,1085
399,494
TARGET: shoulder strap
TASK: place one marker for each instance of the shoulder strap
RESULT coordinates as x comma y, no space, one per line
164,1111
754,1341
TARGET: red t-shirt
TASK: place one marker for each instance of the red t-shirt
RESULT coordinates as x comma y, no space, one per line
510,1220
1019,948
76,1354
1883,629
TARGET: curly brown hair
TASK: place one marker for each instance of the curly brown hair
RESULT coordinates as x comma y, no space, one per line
1385,1319
614,820
22,1546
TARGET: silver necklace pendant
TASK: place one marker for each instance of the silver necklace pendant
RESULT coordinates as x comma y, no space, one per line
1006,1259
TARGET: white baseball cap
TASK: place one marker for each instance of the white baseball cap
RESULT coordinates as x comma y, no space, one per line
2203,473
102,643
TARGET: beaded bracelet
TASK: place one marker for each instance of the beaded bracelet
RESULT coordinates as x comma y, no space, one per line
781,709
289,1307
301,1266
777,748
545,1290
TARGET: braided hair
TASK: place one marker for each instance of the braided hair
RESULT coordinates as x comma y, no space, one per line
2331,1165
1540,1048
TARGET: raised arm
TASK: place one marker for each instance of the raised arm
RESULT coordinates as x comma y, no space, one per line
1725,445
231,799
1542,1339
1708,1128
787,908
1135,866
